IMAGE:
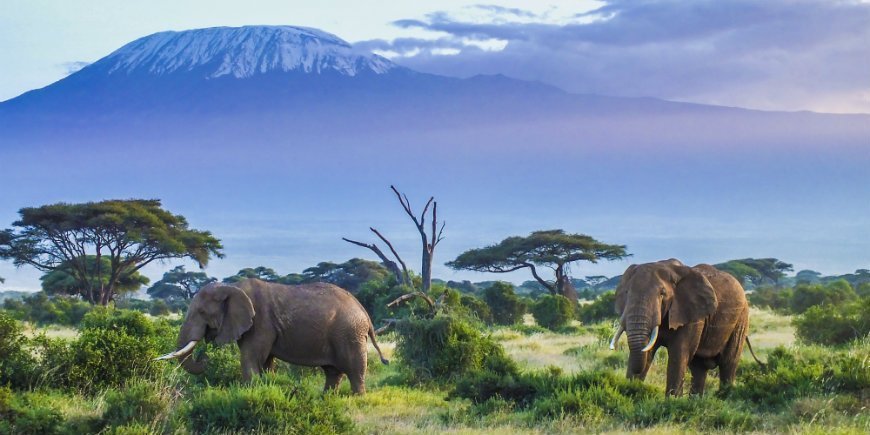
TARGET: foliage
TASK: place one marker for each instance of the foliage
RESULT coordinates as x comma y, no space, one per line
179,283
602,308
478,308
445,348
263,406
132,233
794,373
40,309
553,312
823,325
775,298
138,403
27,414
756,271
17,365
834,293
350,275
552,248
506,307
63,281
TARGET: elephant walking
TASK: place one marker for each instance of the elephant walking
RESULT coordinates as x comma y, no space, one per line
318,325
703,315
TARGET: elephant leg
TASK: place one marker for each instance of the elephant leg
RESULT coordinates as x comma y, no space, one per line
730,356
253,360
699,376
357,362
681,350
333,378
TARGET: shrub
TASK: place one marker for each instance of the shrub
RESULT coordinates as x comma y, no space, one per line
138,403
477,308
823,325
263,406
40,309
505,305
599,310
16,361
159,308
553,312
802,372
775,298
27,414
834,293
446,347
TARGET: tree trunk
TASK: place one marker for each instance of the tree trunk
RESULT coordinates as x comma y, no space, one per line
426,272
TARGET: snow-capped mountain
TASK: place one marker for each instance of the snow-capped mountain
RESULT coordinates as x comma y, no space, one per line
242,52
236,126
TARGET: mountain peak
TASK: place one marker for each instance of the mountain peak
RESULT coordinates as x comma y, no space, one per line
242,52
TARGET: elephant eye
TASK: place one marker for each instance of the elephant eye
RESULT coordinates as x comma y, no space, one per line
662,291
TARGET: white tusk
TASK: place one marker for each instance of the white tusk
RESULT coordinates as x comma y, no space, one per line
187,348
616,336
652,339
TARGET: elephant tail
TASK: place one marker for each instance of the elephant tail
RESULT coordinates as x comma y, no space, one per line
753,353
375,343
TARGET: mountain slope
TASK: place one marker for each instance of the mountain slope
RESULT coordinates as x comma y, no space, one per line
237,126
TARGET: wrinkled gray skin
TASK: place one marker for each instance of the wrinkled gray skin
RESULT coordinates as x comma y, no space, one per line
703,317
319,325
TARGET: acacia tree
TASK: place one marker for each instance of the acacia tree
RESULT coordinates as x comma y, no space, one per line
756,271
553,249
62,281
179,283
130,233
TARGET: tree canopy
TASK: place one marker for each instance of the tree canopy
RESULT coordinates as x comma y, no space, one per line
553,249
756,271
62,281
130,233
179,283
349,275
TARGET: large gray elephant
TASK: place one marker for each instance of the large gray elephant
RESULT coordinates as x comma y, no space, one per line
699,314
318,325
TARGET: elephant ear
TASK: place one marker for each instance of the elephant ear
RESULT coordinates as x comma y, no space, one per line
622,289
694,298
238,314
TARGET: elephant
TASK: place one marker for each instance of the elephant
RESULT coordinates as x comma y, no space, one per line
316,325
703,315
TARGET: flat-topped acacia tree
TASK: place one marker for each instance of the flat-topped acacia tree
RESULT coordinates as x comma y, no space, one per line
553,249
130,233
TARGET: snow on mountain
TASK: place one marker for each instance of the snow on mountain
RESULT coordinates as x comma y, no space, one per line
242,52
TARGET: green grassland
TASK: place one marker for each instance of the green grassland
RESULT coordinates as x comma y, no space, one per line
579,384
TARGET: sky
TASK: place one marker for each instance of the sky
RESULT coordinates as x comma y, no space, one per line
770,54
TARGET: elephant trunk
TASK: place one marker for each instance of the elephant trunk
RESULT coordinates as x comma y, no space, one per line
639,329
191,333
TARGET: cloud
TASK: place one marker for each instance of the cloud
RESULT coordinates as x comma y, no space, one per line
771,54
73,67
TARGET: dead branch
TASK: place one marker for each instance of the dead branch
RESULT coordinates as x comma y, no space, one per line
407,275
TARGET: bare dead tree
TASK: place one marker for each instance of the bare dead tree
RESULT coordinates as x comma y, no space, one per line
402,276
429,241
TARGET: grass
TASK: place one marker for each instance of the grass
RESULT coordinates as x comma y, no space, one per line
392,405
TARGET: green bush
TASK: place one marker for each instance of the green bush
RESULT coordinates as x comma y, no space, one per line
41,309
834,293
138,403
262,406
823,325
803,372
28,414
505,305
603,308
553,312
446,347
16,361
477,308
775,298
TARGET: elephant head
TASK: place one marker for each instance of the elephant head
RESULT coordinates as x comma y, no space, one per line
220,313
665,294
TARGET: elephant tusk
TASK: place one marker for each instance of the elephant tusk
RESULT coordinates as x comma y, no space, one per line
652,339
187,348
616,336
